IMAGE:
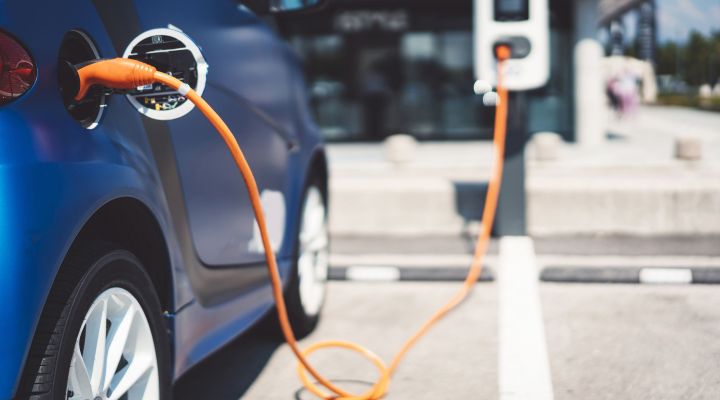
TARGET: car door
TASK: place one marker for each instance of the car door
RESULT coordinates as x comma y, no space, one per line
248,84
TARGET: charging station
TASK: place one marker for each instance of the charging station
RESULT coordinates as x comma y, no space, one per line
523,26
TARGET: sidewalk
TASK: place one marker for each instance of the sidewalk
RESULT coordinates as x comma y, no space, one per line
631,184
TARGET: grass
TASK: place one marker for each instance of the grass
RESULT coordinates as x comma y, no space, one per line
694,101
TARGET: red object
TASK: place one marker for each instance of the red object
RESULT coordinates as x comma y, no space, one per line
17,69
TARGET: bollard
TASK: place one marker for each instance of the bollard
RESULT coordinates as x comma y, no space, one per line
546,146
688,148
400,149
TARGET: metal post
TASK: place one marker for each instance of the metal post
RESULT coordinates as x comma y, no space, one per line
647,31
510,219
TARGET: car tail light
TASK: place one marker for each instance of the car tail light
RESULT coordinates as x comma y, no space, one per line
17,69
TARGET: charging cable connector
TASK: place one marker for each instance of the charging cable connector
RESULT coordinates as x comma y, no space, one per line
116,73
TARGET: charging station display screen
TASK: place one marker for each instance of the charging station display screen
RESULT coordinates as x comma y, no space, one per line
512,10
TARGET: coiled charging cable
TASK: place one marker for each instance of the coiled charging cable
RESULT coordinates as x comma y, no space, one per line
123,73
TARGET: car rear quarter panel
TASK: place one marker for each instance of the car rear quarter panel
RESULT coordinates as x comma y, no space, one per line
53,176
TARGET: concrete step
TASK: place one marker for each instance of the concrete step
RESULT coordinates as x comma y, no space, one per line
629,184
662,204
414,206
622,202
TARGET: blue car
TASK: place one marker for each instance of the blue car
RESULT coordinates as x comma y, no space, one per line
129,248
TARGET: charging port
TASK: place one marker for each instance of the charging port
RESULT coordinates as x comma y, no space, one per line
175,54
170,56
77,48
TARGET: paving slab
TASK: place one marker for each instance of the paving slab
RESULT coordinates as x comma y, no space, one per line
633,342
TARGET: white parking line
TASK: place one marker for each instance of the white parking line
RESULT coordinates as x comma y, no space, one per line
373,273
666,275
524,369
407,260
627,261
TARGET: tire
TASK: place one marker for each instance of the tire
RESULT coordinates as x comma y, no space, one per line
304,314
100,288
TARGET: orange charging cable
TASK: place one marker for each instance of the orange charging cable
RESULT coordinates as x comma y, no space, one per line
127,74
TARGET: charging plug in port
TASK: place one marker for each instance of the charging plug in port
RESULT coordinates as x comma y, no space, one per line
519,46
76,49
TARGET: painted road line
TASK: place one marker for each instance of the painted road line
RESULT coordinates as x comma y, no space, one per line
611,261
665,275
524,369
632,275
590,275
407,274
373,274
706,276
442,274
408,260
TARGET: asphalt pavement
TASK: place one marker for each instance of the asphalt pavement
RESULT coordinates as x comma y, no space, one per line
457,360
633,341
602,341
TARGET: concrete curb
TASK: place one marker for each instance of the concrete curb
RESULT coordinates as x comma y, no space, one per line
653,203
632,275
360,273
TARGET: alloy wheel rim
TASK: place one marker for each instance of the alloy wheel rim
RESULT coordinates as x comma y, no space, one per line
313,255
114,355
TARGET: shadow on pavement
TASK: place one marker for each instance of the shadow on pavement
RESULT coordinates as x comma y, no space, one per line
230,372
351,385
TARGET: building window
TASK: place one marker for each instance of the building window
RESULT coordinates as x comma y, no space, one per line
383,77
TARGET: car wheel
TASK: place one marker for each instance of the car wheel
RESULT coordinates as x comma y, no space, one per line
307,285
101,334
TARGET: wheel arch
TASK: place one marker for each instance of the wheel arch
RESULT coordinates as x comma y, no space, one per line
318,167
125,222
129,223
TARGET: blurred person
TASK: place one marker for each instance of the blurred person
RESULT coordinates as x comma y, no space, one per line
624,93
629,91
612,95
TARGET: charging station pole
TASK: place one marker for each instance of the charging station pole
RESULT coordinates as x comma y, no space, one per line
510,217
523,26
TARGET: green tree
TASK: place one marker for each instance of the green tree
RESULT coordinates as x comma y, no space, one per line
714,57
696,59
666,58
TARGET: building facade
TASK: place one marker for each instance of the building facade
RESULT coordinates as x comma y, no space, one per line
380,67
